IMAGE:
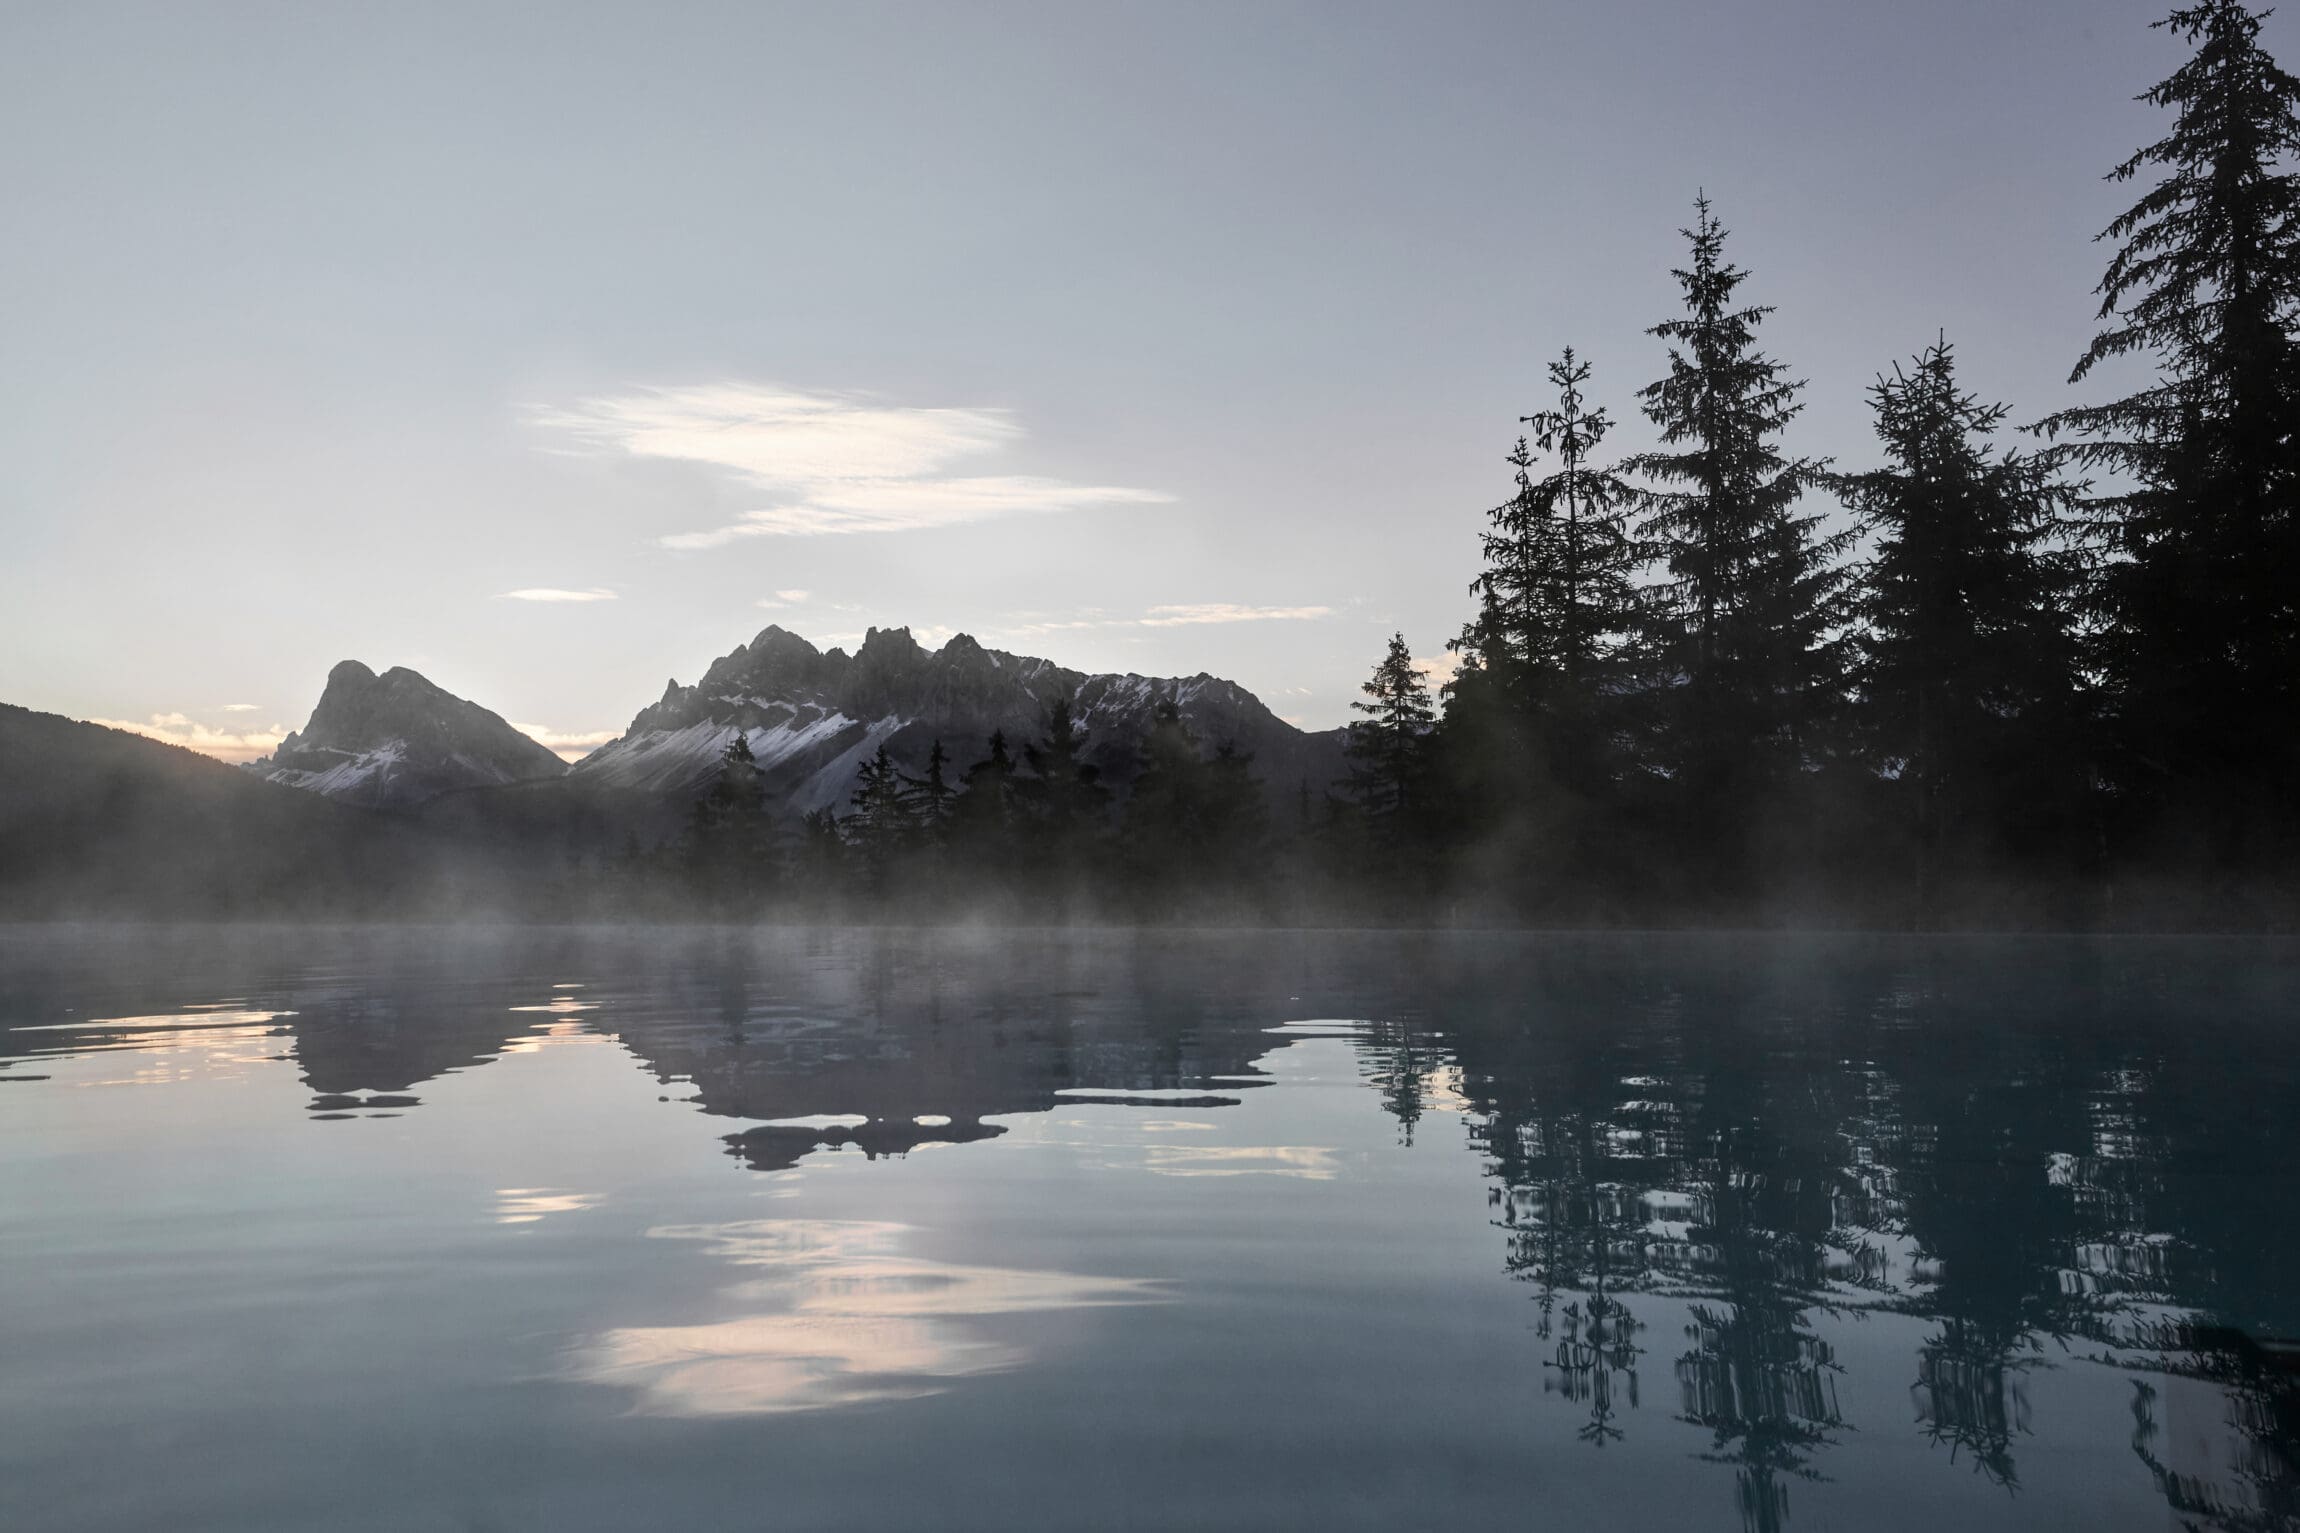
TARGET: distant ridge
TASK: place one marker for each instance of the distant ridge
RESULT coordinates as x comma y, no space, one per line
812,717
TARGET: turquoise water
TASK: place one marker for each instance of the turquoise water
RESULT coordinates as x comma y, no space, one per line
427,1229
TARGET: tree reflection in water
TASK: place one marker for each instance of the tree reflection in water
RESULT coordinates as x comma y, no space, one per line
1596,1355
2042,1160
2013,1157
1971,1394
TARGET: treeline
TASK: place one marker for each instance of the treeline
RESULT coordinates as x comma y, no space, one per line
1030,831
2043,675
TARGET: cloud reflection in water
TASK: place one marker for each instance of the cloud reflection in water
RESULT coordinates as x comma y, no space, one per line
852,1320
1310,1162
527,1205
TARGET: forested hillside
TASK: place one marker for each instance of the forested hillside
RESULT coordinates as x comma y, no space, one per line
97,823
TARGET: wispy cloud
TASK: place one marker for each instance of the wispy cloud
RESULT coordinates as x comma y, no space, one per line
830,463
566,744
241,707
783,599
1170,615
223,744
555,594
1225,612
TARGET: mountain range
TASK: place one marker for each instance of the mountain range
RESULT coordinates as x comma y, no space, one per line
811,718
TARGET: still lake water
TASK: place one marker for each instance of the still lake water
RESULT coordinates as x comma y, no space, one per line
543,1230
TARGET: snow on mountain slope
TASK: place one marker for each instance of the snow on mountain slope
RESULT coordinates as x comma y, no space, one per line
811,718
786,741
396,740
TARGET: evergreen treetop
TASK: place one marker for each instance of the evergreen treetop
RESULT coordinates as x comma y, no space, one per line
1744,621
1556,594
2205,276
1386,746
1965,663
2197,603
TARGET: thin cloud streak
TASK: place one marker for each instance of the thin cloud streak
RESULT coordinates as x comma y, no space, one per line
834,463
1225,612
776,437
223,744
908,506
1170,615
555,594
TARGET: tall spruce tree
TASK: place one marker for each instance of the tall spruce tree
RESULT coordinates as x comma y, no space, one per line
1965,664
1557,597
980,814
932,795
1387,747
1746,667
2195,603
880,821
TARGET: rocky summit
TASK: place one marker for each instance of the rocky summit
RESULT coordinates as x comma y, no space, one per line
812,717
395,740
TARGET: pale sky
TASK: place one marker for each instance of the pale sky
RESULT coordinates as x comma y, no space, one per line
555,349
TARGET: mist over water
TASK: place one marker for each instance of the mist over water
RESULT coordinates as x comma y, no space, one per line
411,1228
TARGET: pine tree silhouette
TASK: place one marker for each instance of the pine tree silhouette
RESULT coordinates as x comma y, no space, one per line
1557,596
1387,747
1966,658
933,793
880,822
2196,600
1746,670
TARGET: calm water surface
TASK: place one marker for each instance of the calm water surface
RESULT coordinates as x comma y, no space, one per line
426,1229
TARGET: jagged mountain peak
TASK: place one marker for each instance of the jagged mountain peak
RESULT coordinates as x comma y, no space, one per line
811,717
884,642
395,740
775,639
358,702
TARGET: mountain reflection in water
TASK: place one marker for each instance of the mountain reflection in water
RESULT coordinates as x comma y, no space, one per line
1942,1230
